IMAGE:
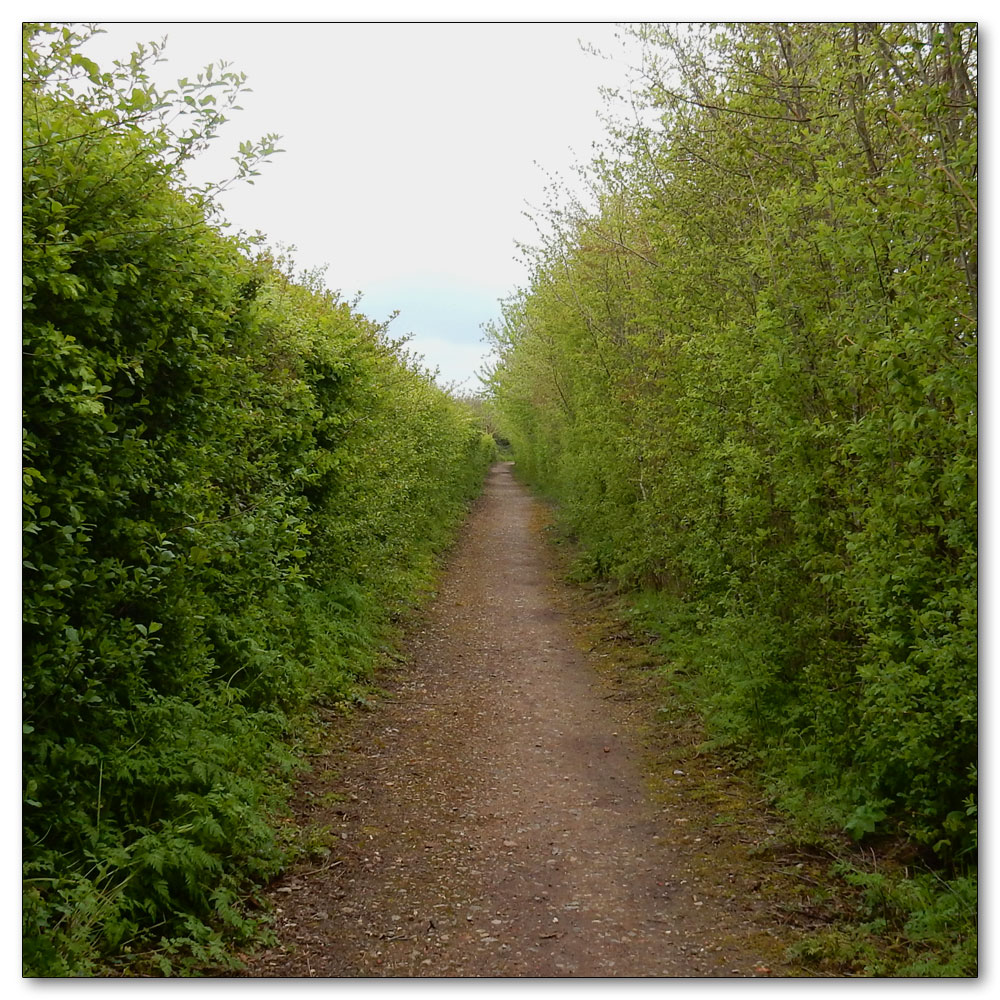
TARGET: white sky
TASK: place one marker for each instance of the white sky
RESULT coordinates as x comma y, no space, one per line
412,153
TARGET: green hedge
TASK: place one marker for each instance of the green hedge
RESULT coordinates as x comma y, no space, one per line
750,378
234,484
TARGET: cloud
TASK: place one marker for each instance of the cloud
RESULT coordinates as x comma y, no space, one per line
443,315
413,150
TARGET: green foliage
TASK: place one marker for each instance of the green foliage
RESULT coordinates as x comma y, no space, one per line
906,925
750,379
233,485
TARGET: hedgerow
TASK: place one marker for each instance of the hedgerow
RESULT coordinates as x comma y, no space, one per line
234,483
749,377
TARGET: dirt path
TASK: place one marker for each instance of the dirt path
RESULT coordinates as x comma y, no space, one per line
493,816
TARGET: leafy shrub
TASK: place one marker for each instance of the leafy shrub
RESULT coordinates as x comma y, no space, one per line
233,484
749,377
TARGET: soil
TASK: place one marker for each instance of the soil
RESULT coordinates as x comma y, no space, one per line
524,800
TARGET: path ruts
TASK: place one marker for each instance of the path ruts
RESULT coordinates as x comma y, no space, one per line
490,818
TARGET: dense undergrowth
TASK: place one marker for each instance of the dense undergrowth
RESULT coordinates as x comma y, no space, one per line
234,484
749,378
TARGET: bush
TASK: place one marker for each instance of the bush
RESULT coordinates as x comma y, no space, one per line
750,379
233,484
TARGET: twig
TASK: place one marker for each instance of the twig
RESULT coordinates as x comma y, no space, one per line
332,864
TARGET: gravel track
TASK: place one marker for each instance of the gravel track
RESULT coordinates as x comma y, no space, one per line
492,816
